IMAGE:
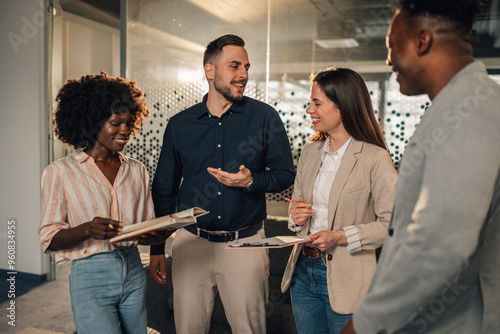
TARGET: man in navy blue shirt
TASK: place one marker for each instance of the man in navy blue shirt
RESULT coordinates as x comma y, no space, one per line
222,155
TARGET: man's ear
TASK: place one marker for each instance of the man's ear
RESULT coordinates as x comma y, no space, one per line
209,71
424,43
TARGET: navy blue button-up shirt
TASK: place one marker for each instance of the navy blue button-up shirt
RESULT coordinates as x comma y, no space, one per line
249,133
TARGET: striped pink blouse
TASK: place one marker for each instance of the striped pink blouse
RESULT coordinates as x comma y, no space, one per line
74,187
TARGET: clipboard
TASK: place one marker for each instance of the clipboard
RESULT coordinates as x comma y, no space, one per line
273,242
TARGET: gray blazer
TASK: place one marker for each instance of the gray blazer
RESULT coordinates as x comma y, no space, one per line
362,194
440,267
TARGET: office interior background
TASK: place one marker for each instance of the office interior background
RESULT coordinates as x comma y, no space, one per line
159,43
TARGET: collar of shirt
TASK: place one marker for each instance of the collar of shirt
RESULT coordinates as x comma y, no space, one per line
235,107
339,153
82,157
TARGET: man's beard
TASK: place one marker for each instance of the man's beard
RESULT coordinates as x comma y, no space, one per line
226,92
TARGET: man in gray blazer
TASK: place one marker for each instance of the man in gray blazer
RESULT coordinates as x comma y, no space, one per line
439,271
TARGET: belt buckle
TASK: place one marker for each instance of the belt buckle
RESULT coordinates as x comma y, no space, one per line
317,253
213,236
227,237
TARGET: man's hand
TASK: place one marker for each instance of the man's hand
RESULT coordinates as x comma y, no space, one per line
236,180
158,268
155,237
349,328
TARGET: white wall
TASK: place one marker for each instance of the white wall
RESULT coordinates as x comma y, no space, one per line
87,47
23,134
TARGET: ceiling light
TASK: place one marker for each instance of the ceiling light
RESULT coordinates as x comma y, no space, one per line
337,43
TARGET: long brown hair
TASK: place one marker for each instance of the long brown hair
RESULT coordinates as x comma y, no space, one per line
348,91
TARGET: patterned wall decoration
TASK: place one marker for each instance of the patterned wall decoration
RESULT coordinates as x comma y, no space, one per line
164,100
401,117
398,119
291,101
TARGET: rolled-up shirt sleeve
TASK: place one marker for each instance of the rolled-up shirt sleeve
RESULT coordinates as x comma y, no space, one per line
293,227
353,240
53,207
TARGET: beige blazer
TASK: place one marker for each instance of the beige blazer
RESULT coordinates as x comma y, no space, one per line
362,194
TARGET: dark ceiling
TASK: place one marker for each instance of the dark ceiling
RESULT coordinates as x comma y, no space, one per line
111,7
300,29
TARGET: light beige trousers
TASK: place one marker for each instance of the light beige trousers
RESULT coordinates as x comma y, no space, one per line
201,268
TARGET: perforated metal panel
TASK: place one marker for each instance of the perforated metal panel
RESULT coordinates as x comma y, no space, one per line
401,116
164,100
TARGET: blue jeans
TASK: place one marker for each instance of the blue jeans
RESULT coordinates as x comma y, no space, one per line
108,292
311,305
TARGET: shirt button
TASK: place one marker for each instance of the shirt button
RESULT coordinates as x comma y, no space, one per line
218,145
329,257
218,217
391,232
220,123
218,193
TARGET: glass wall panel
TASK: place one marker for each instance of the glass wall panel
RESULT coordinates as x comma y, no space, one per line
287,42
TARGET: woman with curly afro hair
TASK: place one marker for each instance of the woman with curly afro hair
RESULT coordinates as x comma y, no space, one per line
97,114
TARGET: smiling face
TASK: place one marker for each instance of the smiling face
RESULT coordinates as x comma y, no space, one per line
115,132
324,113
230,73
402,55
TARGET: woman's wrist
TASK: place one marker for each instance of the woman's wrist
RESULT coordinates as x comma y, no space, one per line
341,238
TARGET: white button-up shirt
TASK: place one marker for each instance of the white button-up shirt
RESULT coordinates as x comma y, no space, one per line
330,164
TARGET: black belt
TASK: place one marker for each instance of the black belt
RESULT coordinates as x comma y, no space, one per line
224,236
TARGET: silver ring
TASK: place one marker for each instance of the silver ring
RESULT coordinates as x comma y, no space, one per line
296,216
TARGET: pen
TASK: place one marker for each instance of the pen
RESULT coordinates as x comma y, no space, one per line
100,214
289,200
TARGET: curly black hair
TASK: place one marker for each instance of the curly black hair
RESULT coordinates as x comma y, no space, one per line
461,12
84,104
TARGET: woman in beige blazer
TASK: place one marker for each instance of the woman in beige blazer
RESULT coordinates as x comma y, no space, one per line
344,192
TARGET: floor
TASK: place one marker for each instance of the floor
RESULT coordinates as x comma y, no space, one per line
45,309
22,285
